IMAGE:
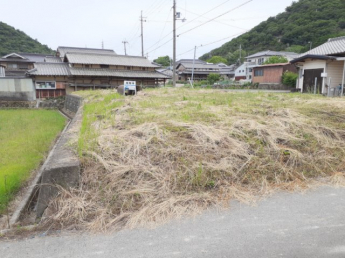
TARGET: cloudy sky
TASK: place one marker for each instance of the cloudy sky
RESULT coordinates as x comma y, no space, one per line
86,23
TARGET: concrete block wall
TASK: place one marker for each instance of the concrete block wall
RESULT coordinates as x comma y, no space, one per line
17,89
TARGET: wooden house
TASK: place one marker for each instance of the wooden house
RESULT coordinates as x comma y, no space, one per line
83,68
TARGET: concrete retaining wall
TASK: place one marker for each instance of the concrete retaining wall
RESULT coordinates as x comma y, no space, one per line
61,168
21,89
72,103
273,86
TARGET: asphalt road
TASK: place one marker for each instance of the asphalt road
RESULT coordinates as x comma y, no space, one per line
284,225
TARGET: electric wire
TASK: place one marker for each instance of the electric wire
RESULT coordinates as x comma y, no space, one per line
215,18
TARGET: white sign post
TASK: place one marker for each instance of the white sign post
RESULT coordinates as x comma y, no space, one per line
130,86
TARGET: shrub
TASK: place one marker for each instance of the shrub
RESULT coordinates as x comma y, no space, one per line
289,78
213,77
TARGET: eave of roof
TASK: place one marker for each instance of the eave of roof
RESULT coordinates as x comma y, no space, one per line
116,73
309,56
108,59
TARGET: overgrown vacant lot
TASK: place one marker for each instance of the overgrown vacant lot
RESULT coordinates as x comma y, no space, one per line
170,152
25,138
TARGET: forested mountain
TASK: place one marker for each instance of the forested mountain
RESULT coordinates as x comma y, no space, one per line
303,22
12,40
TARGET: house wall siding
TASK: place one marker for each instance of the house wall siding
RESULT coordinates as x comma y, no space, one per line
335,72
271,75
310,64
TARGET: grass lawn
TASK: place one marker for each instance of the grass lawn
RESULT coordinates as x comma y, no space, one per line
170,152
25,139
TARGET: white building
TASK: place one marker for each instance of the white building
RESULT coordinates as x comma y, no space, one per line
323,67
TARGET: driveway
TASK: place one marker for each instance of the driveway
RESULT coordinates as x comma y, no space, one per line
284,225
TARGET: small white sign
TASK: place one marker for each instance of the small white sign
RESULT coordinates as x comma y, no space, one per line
130,85
323,75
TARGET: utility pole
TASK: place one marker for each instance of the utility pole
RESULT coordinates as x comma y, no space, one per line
174,44
240,54
142,33
193,67
124,44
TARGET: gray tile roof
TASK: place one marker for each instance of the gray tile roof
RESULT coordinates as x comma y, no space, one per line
273,53
52,59
190,61
334,46
64,50
116,73
34,57
108,59
200,66
50,69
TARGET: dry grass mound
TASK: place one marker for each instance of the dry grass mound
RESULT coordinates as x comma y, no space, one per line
168,153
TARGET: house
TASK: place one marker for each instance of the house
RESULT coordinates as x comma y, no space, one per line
323,66
82,68
271,73
245,71
261,57
17,64
200,70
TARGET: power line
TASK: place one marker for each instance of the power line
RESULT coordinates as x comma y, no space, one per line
160,37
213,42
215,18
203,13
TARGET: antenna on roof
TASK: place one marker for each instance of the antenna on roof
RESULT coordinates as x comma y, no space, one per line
124,44
102,44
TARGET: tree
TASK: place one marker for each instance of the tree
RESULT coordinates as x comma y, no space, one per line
213,77
276,60
234,57
289,78
163,60
217,59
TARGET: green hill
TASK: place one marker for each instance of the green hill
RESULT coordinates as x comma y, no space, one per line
303,22
12,40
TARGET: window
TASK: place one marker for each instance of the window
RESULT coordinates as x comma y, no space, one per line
87,66
128,68
258,73
261,61
104,66
14,66
250,70
45,85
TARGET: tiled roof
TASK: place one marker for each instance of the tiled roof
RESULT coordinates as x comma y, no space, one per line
200,66
64,50
334,46
52,59
33,57
108,59
50,69
116,73
190,61
272,53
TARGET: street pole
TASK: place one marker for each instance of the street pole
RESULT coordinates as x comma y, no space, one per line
124,45
193,67
142,33
174,44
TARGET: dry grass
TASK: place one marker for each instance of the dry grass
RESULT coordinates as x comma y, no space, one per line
168,153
